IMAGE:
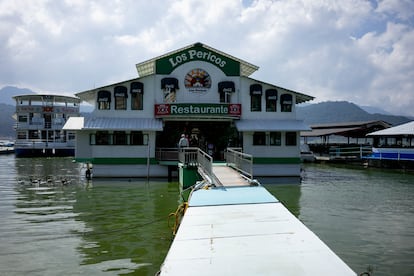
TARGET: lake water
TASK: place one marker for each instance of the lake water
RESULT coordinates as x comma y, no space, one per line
54,222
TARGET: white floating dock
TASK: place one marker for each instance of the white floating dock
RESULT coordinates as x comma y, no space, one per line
246,231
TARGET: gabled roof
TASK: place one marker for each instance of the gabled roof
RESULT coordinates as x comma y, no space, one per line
149,67
167,62
404,129
351,124
271,125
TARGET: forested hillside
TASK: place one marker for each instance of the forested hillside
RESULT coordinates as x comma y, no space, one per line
341,112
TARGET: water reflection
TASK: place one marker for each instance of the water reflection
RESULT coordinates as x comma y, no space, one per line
125,221
287,191
61,223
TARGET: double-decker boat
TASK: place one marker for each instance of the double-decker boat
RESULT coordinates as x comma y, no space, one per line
39,122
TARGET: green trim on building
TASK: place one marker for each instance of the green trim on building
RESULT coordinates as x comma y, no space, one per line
117,161
188,176
153,161
276,160
165,65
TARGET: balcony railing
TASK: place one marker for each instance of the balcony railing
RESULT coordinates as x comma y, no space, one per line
55,125
166,154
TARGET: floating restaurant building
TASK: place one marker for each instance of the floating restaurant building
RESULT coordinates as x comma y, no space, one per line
197,91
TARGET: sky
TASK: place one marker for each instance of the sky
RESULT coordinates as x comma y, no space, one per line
361,51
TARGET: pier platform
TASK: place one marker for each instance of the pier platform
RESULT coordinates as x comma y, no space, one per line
245,230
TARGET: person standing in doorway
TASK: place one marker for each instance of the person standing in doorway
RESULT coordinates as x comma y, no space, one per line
183,141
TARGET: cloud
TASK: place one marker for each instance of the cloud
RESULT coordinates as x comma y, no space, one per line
354,50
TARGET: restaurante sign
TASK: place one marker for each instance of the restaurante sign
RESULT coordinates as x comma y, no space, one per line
225,110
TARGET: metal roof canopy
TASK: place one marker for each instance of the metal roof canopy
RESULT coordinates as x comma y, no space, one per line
350,129
271,125
406,129
102,123
74,123
330,131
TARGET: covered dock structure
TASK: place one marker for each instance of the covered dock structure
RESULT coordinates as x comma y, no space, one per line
398,136
393,147
348,134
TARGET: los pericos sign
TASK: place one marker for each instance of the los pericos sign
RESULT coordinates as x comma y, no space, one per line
167,64
224,110
199,55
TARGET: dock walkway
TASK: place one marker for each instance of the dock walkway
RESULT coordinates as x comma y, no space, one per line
246,231
228,176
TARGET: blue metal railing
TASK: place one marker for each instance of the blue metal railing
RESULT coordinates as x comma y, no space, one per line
392,154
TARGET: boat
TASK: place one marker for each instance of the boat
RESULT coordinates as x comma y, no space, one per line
306,155
6,147
39,122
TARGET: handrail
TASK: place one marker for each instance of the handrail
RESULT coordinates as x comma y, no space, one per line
166,154
195,157
398,154
206,162
240,161
188,156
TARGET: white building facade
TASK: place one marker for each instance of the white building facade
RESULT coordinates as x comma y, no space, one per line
197,91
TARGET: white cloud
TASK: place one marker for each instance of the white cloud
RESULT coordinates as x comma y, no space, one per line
335,50
401,9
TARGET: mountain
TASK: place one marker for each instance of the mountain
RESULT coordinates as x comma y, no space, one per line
7,109
6,121
374,110
342,112
8,92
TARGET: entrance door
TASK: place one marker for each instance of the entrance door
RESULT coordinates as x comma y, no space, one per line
211,137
